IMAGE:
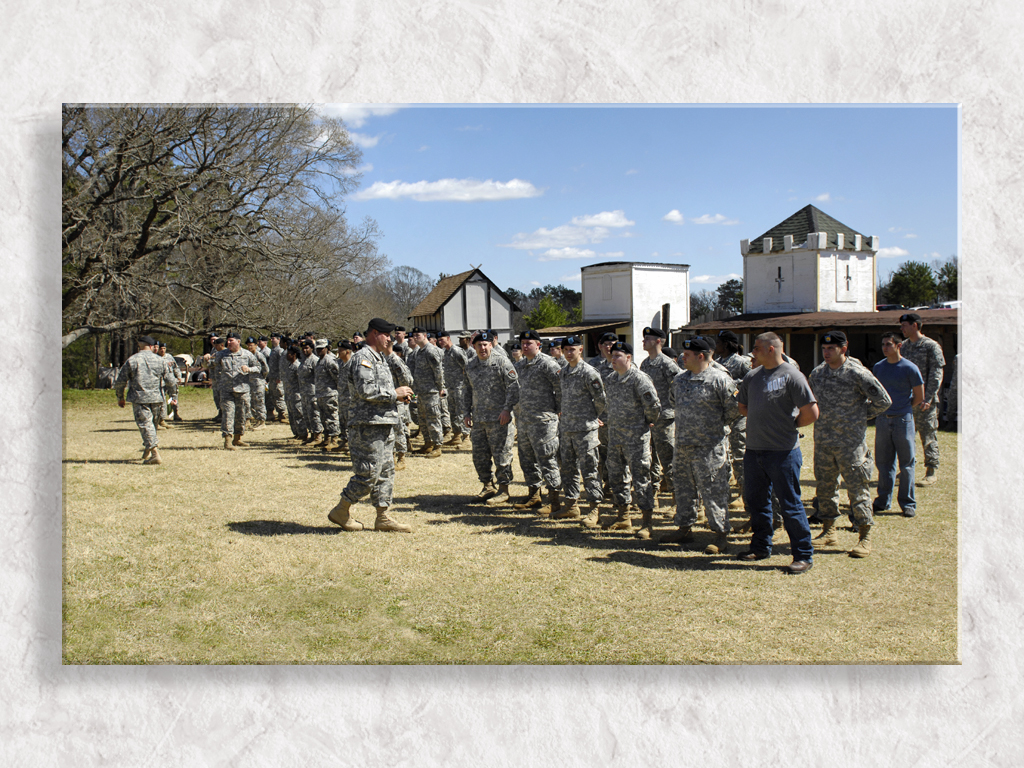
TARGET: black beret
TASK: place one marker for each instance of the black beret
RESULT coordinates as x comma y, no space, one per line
234,335
484,336
149,341
162,344
417,329
216,340
380,325
572,341
400,328
910,317
655,332
517,346
607,337
834,337
443,335
670,352
729,336
344,344
275,335
306,343
250,340
622,346
697,344
555,343
529,336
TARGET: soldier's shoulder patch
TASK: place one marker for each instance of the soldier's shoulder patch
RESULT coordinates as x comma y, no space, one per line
366,363
512,373
648,396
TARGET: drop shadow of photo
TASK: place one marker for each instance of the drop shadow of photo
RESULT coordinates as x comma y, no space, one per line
104,461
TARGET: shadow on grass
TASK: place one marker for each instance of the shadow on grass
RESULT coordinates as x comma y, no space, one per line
690,562
105,461
279,528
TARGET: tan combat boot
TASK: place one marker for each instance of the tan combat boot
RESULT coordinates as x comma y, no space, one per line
646,525
329,442
340,516
154,456
571,511
260,423
593,518
488,491
318,439
340,446
929,478
455,440
554,502
427,447
502,497
532,499
863,547
623,522
400,462
386,523
682,536
720,546
434,452
238,441
829,536
146,454
227,443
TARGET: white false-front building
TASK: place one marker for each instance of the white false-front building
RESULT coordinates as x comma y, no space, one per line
468,301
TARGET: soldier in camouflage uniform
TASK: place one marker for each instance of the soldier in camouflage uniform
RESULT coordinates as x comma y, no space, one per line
633,405
540,401
234,365
662,370
275,389
325,382
455,385
601,362
374,414
402,377
161,423
293,391
727,347
428,383
307,388
493,393
344,355
705,399
848,395
147,377
926,354
258,384
210,363
583,401
953,396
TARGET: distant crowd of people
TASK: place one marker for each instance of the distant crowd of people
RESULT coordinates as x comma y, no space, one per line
697,425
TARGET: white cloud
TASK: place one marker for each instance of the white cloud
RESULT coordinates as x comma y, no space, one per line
575,278
714,279
555,254
824,197
910,235
716,219
355,115
674,216
424,148
892,253
559,237
534,282
461,190
470,128
364,141
603,219
632,171
364,168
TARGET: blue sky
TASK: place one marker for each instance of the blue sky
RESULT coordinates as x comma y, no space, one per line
532,194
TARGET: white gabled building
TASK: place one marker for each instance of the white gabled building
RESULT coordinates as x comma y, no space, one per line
809,263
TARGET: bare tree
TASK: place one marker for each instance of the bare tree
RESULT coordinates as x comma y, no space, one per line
196,218
405,287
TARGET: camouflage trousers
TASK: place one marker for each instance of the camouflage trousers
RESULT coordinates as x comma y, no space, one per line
602,452
737,448
258,399
630,454
429,406
854,464
457,409
579,455
373,463
295,418
216,397
234,406
446,416
491,440
275,398
402,429
538,454
663,438
145,419
926,423
701,472
328,407
311,414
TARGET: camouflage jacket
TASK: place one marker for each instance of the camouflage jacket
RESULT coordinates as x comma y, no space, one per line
926,354
147,378
290,376
847,397
427,367
493,385
738,366
278,360
258,375
307,375
454,368
633,403
583,398
230,376
326,375
540,389
372,397
705,405
662,370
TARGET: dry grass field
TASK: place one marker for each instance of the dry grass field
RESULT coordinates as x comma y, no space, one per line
218,557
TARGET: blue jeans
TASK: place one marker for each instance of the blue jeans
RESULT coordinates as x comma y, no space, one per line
894,441
778,471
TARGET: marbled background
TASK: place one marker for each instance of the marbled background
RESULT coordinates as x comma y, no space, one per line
513,51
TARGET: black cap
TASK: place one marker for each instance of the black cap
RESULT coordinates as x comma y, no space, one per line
529,336
555,343
443,335
670,352
697,344
400,328
834,337
251,340
306,343
417,329
217,340
729,336
162,344
234,335
380,325
657,332
484,336
262,338
275,335
149,341
910,317
572,341
345,344
517,346
609,336
622,346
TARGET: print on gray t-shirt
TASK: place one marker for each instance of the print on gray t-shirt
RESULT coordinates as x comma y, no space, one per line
773,399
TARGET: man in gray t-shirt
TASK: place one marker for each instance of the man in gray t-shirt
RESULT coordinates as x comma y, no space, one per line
777,401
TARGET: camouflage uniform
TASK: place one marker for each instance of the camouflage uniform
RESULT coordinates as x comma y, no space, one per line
147,377
414,408
633,405
455,383
293,396
234,389
258,386
847,397
307,388
952,396
738,366
603,367
540,401
211,372
428,381
325,383
583,401
277,361
926,354
371,436
706,404
402,377
662,370
493,388
344,398
164,412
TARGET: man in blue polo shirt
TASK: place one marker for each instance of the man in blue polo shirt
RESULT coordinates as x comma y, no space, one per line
894,429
